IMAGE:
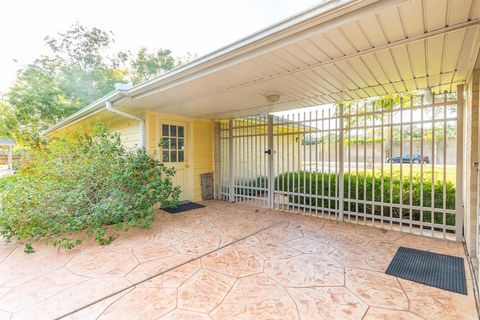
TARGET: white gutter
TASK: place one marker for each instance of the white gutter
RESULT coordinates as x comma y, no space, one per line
109,106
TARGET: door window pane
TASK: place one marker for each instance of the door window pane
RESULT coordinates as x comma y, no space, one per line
165,130
173,131
172,143
165,157
164,143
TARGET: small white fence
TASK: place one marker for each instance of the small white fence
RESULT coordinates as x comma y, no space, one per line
386,163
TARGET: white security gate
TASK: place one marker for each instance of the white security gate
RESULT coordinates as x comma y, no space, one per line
392,163
244,160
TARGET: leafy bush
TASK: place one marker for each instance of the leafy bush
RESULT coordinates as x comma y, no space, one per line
318,184
88,183
252,187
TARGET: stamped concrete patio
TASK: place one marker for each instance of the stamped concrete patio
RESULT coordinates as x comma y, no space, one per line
228,261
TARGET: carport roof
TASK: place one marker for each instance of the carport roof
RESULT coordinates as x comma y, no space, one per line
338,51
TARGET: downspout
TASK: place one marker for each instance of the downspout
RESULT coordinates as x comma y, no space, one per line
109,106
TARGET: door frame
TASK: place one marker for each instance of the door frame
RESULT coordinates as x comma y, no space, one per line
158,119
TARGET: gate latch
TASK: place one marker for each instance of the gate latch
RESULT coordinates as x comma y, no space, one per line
268,152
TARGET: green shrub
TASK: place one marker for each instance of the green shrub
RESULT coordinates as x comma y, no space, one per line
252,187
318,184
80,185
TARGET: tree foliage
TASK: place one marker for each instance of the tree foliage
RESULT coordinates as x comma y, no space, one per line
78,69
147,64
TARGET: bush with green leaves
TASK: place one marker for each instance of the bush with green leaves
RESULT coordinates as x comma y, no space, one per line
370,188
87,184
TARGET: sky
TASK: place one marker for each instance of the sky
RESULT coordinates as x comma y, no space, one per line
181,25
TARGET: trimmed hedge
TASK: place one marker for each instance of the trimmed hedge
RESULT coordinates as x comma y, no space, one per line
370,189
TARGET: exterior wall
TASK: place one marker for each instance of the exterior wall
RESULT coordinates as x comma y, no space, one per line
200,146
200,137
471,119
202,153
129,131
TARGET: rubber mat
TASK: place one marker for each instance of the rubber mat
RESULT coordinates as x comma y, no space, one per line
184,207
429,268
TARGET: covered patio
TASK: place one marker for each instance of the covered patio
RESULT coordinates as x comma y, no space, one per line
228,261
314,204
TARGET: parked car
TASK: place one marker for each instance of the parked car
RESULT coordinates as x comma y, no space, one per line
416,158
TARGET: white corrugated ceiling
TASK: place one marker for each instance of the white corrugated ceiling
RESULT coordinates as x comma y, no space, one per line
408,46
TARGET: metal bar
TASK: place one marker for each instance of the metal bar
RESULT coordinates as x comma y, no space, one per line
373,161
349,160
410,213
255,159
444,195
421,164
432,217
341,182
391,162
301,144
356,164
231,197
401,162
299,162
310,161
217,159
365,137
329,158
271,174
323,163
459,165
288,157
382,155
266,159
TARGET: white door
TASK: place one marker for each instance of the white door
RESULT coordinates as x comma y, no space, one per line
173,152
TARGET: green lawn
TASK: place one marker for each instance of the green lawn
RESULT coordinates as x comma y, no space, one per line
450,172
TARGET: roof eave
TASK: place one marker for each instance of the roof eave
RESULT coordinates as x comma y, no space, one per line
84,112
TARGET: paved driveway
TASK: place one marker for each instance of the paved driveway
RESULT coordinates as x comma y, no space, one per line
228,261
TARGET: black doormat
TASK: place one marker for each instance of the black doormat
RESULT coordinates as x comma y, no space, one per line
433,269
186,206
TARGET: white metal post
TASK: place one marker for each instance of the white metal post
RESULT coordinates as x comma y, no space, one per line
459,174
271,175
340,163
217,158
231,168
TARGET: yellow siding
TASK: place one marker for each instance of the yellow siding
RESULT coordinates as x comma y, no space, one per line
129,131
203,153
201,143
151,135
